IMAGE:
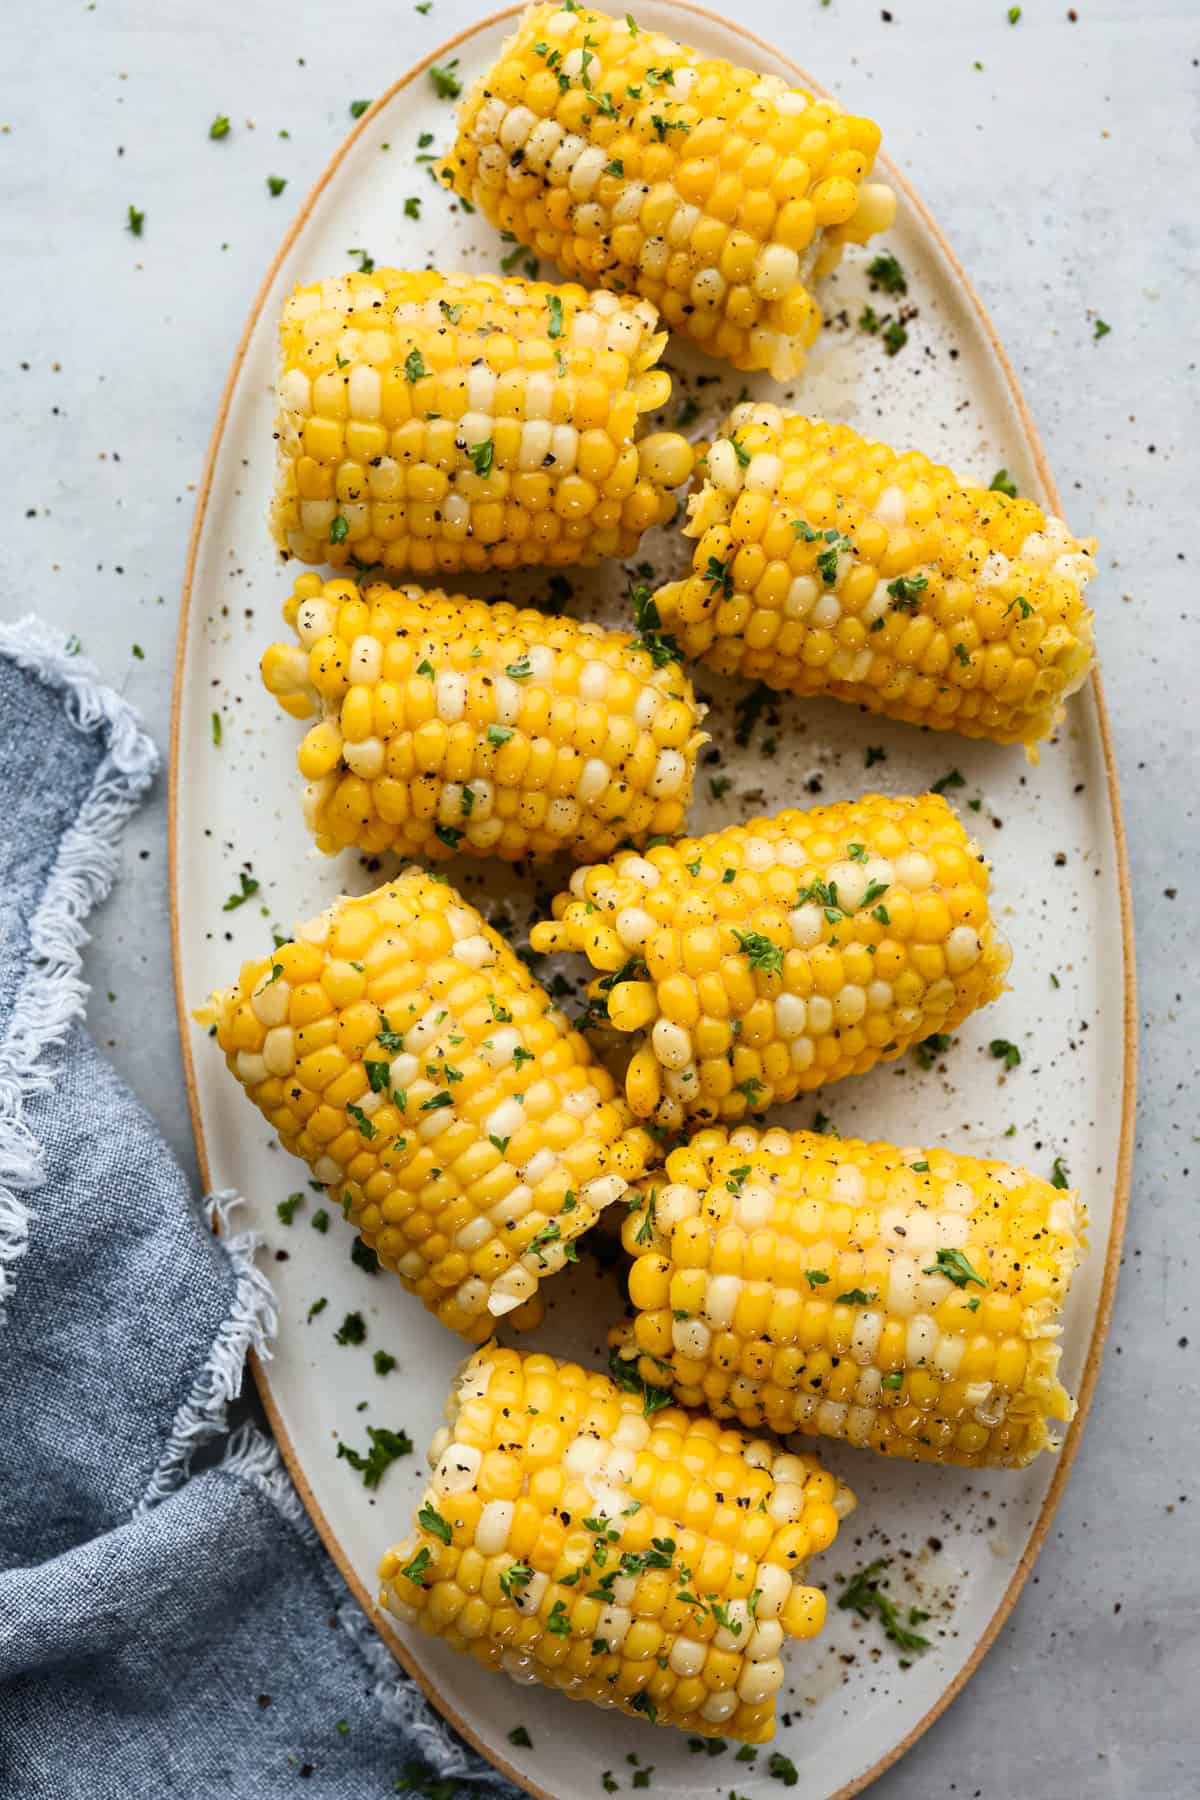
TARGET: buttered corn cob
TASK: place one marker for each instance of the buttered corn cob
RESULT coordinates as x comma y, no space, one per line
405,1053
451,724
905,1300
633,161
771,957
829,564
643,1559
436,422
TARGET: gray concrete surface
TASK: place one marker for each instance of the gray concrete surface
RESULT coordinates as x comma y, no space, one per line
1061,171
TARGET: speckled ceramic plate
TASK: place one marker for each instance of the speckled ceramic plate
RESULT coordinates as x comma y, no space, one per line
960,1544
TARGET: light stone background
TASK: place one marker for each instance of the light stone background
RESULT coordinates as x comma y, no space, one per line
1061,171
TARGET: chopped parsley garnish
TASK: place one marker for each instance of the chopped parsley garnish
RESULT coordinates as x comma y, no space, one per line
133,223
815,1277
431,1520
320,1221
358,108
384,1362
1058,1175
249,887
379,1075
1003,483
886,273
219,127
894,337
1005,1052
438,1100
555,309
518,1735
782,1768
286,1209
451,314
762,953
352,1330
1100,330
499,734
855,1297
558,1623
615,167
864,1595
415,1570
626,1376
339,527
448,835
720,1612
481,455
952,779
366,262
386,1448
827,561
894,1380
935,1045
366,1129
520,670
515,1579
412,207
661,647
446,84
521,1055
954,1265
718,577
906,591
550,1233
318,1306
363,1257
963,655
276,185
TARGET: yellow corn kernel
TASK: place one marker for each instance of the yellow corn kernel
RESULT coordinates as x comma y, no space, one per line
512,1586
476,423
815,1315
816,990
402,1010
695,199
454,724
894,584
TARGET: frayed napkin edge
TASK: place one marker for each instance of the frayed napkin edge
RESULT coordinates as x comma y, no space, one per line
54,995
250,1324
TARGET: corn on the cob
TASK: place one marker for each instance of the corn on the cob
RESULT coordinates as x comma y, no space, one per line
649,1560
828,564
451,724
403,1050
774,956
906,1300
633,161
434,422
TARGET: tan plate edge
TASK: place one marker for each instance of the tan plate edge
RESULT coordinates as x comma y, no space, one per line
1091,1370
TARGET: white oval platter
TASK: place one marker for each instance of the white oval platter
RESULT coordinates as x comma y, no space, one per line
959,1544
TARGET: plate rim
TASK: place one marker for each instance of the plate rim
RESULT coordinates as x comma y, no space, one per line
1124,1161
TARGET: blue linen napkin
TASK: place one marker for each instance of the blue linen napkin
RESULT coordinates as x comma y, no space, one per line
161,1630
